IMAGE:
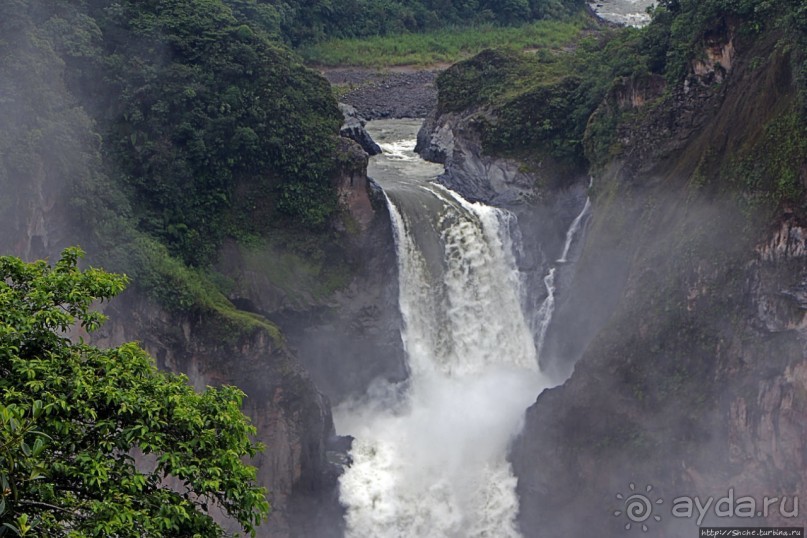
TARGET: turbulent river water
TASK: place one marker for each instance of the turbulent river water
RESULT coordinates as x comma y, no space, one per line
629,12
429,456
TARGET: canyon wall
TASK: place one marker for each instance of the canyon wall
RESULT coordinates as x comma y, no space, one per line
685,313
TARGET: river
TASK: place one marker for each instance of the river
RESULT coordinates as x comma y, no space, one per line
627,12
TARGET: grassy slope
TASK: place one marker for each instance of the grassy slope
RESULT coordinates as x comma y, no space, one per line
441,46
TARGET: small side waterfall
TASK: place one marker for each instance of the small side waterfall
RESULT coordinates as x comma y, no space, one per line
573,229
544,316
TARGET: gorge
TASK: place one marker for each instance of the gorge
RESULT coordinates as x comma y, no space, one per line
595,284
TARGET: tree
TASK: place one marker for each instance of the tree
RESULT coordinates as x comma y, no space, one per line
98,442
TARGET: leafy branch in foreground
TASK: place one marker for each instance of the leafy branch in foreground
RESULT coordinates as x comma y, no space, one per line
98,442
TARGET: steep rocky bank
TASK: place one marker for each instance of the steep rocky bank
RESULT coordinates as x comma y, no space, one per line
685,310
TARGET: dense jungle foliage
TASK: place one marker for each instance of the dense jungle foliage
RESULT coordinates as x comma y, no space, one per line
186,105
174,124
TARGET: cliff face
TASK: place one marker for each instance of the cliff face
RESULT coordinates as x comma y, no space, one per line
292,418
336,300
453,139
687,313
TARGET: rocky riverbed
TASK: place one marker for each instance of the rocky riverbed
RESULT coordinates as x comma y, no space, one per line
393,93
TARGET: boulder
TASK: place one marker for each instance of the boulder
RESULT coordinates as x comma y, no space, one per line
353,128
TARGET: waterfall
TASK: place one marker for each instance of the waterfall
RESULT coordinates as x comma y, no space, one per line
573,229
544,316
429,458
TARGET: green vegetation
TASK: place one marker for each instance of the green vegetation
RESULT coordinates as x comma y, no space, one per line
190,106
300,23
307,268
544,104
184,289
681,28
202,106
447,45
771,168
169,126
75,418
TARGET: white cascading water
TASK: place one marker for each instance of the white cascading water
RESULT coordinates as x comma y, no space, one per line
429,459
544,316
573,229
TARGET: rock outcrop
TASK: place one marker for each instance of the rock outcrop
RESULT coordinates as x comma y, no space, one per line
353,128
453,139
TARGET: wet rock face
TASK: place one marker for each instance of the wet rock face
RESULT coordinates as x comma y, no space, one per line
357,339
36,219
735,416
435,140
767,415
452,139
789,242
